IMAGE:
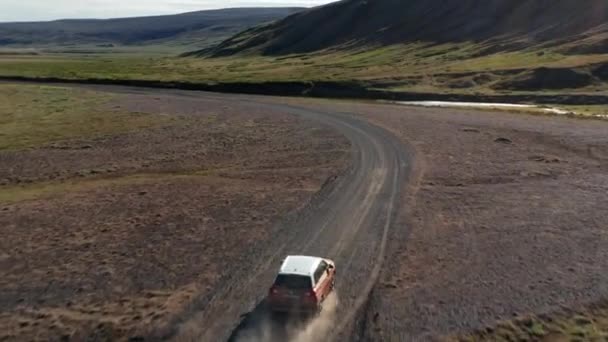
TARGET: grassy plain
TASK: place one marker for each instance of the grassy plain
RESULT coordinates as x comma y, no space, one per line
590,324
451,68
32,115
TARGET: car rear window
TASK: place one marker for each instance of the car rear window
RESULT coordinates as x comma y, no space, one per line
293,281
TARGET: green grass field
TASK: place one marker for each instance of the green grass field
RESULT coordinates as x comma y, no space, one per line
591,110
32,116
411,67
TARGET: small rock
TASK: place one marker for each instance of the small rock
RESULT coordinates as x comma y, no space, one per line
542,174
59,147
86,147
503,141
581,320
528,322
142,193
376,315
545,159
580,334
470,130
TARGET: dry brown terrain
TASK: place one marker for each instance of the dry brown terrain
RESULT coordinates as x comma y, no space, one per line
119,233
506,215
503,215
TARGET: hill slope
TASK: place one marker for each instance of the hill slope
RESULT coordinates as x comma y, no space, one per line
195,28
506,24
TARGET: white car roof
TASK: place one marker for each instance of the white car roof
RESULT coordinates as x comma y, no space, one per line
300,265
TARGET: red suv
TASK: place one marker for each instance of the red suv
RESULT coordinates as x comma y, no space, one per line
302,285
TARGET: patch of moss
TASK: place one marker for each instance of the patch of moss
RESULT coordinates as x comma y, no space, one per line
588,324
32,116
26,192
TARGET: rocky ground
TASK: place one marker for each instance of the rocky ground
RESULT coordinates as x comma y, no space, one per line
505,216
118,233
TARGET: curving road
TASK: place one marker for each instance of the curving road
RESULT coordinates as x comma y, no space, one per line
349,222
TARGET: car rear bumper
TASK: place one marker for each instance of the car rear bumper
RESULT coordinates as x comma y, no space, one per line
292,307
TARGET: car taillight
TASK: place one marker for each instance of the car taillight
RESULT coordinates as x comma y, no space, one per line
312,295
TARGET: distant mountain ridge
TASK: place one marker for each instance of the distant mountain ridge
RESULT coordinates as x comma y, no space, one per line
507,24
201,26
